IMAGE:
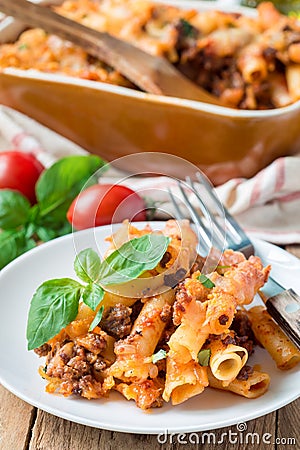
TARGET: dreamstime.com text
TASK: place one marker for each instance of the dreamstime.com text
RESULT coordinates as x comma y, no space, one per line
238,436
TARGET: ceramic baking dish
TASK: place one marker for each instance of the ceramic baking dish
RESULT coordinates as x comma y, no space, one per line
114,121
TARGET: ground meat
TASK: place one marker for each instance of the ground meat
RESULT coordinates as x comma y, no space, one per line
229,340
43,350
244,373
223,319
269,54
165,313
117,323
242,325
245,342
165,259
100,364
182,299
92,342
244,336
79,366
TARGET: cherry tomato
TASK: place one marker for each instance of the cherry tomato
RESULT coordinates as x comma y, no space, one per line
20,171
103,204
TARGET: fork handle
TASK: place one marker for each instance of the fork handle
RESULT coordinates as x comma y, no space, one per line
285,309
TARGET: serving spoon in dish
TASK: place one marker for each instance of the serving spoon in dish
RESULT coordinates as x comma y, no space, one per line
150,73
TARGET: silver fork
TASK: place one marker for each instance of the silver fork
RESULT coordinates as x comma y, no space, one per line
283,305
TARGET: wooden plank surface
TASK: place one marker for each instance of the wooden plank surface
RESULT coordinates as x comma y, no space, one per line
23,427
16,421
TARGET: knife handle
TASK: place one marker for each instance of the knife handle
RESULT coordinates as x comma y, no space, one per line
284,308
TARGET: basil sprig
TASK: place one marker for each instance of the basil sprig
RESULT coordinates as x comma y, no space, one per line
53,306
133,258
22,225
55,303
205,281
14,209
87,265
204,357
59,185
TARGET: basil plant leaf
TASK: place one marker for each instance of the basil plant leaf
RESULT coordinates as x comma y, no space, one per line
53,306
97,318
45,234
133,258
92,295
14,209
161,354
61,183
13,243
204,357
87,265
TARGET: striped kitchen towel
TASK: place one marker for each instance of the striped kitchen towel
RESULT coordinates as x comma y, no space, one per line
267,205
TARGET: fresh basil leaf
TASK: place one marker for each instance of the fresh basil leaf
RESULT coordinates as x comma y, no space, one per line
45,234
14,209
97,319
161,354
87,265
133,258
33,213
13,244
204,357
53,306
92,295
29,230
61,183
205,281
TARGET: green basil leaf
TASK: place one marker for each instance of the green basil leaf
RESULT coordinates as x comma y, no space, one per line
53,306
133,258
13,244
97,318
204,357
33,213
206,281
14,209
45,234
62,182
87,265
92,295
29,230
161,354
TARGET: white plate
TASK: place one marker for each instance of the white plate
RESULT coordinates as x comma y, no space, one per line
210,410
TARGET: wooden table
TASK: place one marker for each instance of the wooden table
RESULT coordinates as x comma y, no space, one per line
24,427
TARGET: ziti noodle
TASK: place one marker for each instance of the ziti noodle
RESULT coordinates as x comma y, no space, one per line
166,346
248,62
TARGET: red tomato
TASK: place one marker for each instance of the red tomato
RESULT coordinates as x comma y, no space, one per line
20,171
103,204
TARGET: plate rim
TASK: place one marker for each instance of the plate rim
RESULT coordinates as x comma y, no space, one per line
266,409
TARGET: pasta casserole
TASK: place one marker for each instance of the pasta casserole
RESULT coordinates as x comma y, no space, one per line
175,338
248,62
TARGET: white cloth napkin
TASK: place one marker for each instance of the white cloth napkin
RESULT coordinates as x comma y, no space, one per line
268,204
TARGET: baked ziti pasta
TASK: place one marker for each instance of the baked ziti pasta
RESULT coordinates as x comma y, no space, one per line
162,346
248,62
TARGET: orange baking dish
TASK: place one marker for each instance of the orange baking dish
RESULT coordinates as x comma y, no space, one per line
114,121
